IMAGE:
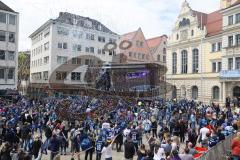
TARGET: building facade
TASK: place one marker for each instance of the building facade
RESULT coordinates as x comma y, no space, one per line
9,22
230,75
135,48
158,49
190,56
68,42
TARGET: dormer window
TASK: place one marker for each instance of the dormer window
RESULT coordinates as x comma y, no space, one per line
184,22
88,23
99,27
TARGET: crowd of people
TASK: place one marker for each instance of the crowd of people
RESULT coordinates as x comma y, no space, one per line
154,129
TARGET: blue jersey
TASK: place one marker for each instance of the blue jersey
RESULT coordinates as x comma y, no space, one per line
99,146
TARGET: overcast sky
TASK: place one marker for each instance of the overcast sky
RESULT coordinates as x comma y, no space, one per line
155,17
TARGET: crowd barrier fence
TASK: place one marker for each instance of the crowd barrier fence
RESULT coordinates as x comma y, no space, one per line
220,151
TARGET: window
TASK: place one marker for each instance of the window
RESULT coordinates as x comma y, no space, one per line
2,36
111,52
177,37
141,44
76,76
76,60
62,31
230,63
61,75
139,55
90,36
219,46
61,60
135,55
214,67
237,63
219,66
230,20
46,60
60,45
238,40
195,61
192,33
230,41
79,47
143,56
137,43
213,47
194,92
130,54
164,51
64,45
103,51
101,39
87,61
91,49
46,33
11,73
46,46
3,17
12,19
11,55
45,75
11,37
99,51
158,57
2,73
164,58
184,62
174,63
87,49
238,18
215,92
2,55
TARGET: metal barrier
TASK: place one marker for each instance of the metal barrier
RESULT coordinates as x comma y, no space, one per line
218,152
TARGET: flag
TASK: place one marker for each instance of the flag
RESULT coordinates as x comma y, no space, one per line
86,143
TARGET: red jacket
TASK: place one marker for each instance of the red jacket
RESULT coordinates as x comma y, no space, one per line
236,146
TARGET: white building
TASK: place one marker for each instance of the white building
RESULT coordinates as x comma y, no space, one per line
69,40
230,76
8,47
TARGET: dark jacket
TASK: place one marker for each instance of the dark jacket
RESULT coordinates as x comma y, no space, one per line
36,146
54,144
129,149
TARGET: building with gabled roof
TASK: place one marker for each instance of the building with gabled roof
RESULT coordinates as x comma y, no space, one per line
157,47
137,50
194,55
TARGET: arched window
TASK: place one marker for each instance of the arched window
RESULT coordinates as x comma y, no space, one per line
236,91
184,62
195,58
174,63
194,92
215,92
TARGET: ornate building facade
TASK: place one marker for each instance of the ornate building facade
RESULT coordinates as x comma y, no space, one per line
189,55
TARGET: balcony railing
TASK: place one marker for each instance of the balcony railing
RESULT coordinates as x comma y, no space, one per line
229,74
